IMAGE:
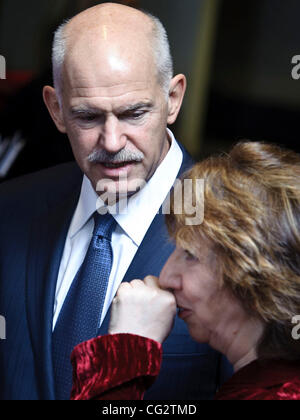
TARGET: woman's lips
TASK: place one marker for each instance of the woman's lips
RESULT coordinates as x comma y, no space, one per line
184,313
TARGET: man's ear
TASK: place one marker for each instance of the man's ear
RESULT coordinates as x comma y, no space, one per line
51,101
176,94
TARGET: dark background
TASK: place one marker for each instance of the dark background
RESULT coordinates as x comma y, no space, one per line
237,56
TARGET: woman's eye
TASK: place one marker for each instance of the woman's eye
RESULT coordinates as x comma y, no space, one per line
189,255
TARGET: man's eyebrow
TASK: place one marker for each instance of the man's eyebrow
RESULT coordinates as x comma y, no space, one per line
134,107
82,109
85,109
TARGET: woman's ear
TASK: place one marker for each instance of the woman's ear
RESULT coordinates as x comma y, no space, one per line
52,103
176,95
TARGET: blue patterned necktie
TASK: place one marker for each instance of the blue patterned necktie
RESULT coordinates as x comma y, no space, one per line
80,315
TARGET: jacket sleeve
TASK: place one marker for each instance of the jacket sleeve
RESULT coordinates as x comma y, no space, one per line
115,367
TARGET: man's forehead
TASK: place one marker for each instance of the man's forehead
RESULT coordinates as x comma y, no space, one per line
108,90
119,94
108,75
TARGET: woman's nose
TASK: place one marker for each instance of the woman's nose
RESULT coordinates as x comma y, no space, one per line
170,276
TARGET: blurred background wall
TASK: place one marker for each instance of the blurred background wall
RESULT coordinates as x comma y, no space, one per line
237,56
252,92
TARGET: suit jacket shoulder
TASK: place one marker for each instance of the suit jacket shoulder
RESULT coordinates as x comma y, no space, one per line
34,210
27,193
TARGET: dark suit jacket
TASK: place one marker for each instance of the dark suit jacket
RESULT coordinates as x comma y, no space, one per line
35,214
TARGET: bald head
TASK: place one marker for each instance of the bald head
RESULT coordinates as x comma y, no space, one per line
115,37
108,14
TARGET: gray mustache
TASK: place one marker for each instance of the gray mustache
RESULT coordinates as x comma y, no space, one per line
101,156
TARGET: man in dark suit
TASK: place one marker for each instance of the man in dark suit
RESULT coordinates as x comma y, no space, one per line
114,95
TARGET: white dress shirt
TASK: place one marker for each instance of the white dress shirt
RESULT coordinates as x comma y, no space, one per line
128,235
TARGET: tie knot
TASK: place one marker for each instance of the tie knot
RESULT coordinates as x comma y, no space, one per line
104,225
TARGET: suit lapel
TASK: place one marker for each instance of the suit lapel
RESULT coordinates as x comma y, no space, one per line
46,246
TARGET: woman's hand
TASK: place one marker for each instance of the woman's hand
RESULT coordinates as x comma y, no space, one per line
143,308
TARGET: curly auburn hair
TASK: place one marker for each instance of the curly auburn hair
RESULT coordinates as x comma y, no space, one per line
252,219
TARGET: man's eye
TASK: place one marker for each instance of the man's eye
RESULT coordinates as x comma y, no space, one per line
87,118
133,115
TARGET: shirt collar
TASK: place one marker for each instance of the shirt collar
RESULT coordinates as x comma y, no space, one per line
141,209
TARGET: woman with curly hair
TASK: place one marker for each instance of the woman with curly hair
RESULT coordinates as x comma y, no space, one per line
235,279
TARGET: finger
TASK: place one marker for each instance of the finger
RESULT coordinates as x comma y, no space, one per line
151,281
136,283
124,286
123,289
115,300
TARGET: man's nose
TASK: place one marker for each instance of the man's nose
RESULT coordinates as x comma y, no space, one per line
112,137
170,276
